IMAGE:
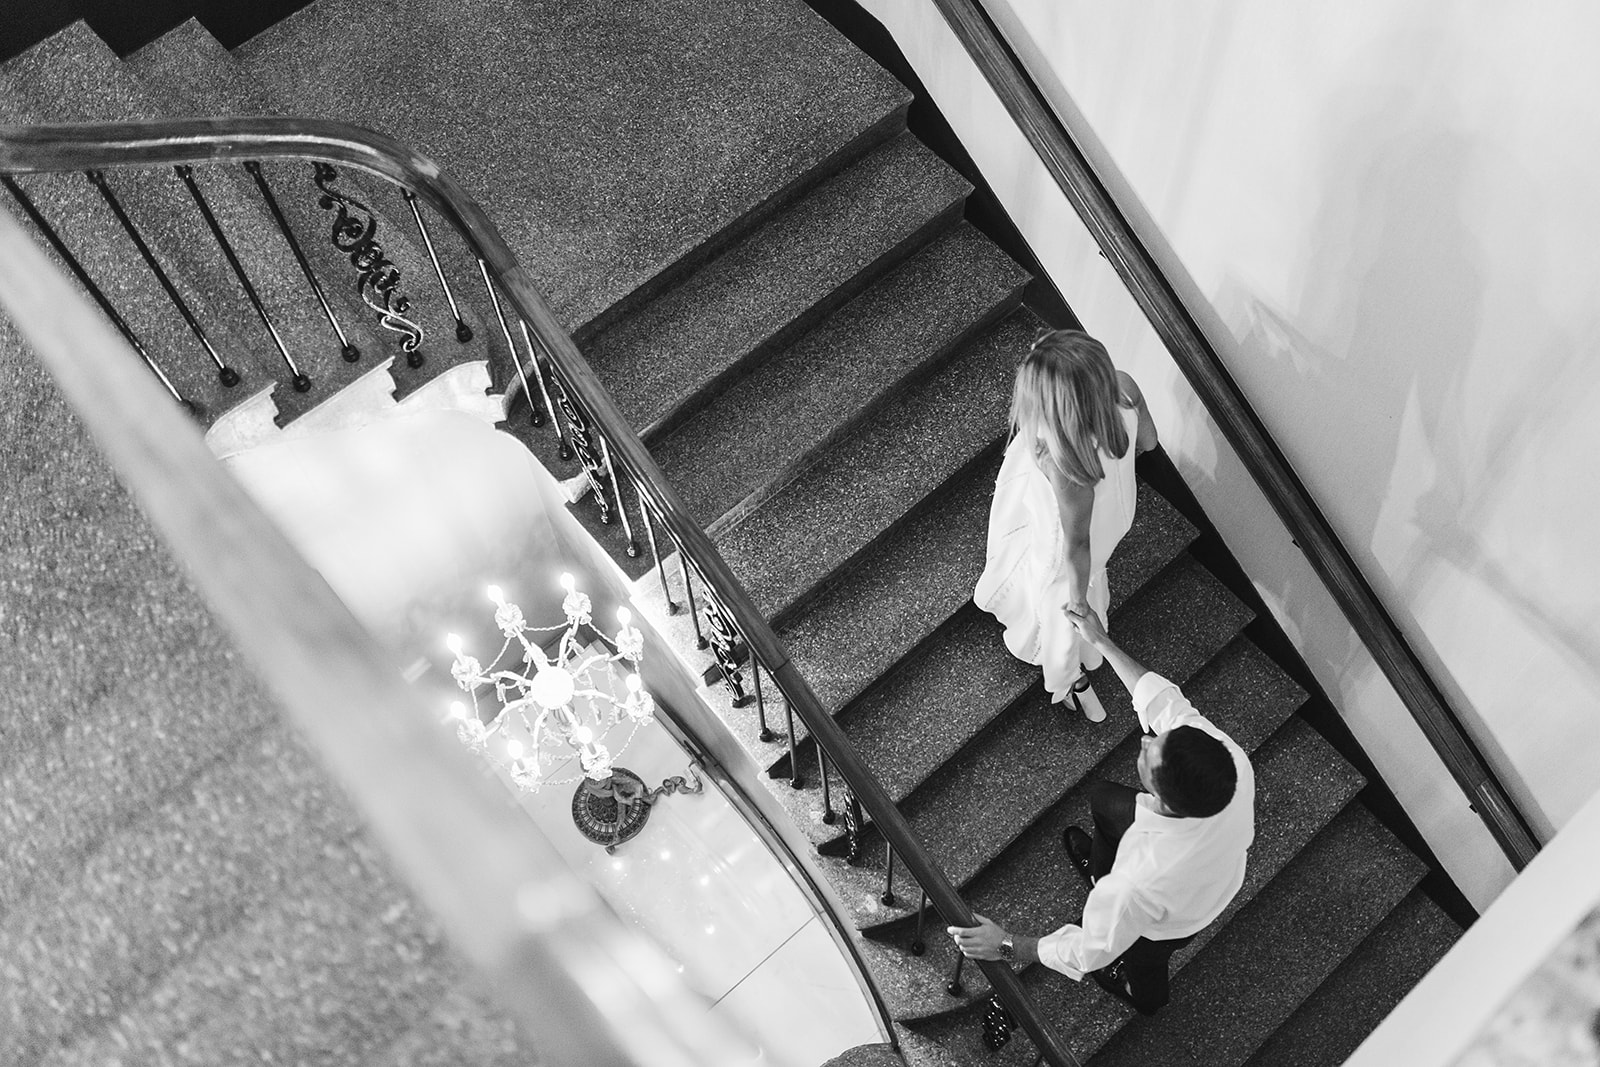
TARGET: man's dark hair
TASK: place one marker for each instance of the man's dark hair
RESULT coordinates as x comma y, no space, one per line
1196,776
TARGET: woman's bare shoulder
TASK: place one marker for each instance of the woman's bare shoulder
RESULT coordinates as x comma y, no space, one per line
1130,389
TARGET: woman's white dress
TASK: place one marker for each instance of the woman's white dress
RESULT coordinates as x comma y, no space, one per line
1024,581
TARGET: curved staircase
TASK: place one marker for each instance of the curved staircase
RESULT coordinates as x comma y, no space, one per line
776,283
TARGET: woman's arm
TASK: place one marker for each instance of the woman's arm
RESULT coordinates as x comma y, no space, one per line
1076,505
1146,440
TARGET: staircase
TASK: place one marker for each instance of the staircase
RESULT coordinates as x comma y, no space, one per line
776,283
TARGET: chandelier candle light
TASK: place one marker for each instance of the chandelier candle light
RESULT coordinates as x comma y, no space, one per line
559,708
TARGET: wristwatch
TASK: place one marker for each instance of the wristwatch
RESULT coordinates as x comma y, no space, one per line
1008,949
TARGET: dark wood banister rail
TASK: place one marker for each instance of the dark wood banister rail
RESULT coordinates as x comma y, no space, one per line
39,149
1226,403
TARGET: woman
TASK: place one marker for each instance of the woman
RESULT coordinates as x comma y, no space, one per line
1062,502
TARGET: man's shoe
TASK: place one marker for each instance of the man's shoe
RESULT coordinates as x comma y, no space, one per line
1079,846
1114,981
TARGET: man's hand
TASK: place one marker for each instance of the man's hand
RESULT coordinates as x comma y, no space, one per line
1089,625
981,942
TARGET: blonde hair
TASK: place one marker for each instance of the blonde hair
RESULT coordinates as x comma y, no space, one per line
1067,399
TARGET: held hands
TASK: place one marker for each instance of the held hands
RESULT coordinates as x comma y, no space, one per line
981,942
1088,624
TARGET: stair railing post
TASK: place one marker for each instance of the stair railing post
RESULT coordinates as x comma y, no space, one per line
463,331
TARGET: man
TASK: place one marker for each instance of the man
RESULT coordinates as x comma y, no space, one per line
1162,863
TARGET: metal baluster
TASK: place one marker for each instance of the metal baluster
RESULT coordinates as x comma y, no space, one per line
919,946
93,290
997,1024
298,378
583,434
888,884
955,988
463,331
225,374
688,592
761,703
829,816
616,490
565,450
854,823
796,780
505,331
349,351
655,550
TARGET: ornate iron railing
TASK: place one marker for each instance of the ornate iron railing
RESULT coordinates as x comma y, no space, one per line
1227,404
560,387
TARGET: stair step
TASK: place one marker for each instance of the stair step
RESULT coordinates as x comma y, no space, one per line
766,428
867,1056
799,538
968,810
170,876
189,63
1302,784
767,289
1326,1029
73,77
329,970
614,152
464,1026
1277,950
896,597
106,90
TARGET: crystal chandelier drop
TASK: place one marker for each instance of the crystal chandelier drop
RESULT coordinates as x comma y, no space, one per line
566,703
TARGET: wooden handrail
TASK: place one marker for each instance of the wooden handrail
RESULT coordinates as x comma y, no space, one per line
1227,405
108,145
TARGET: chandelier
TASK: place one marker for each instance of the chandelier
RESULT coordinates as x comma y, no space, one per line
564,703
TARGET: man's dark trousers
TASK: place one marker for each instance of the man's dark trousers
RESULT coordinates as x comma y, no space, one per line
1144,965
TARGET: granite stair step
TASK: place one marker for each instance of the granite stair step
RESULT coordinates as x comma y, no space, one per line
965,670
671,355
186,866
623,144
1148,627
975,804
805,534
327,971
73,77
867,1056
1328,1027
904,588
1033,889
766,428
1277,950
104,89
190,64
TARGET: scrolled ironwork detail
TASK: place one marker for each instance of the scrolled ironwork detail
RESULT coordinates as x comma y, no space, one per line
997,1025
853,825
355,229
585,443
728,648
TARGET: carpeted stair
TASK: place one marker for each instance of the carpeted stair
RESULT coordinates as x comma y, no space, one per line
775,280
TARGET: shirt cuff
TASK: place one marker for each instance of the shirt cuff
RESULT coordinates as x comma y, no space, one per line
1051,952
1149,686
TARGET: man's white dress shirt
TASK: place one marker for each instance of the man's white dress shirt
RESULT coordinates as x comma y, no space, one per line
1171,876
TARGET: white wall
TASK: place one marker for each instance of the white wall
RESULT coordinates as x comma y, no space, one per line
1381,214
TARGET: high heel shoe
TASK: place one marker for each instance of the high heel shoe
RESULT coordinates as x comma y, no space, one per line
1085,700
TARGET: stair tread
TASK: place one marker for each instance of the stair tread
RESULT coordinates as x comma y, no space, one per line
337,962
87,83
1302,784
1326,1029
801,399
466,1025
898,597
191,65
1263,964
789,270
861,487
182,871
969,809
622,138
867,1056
